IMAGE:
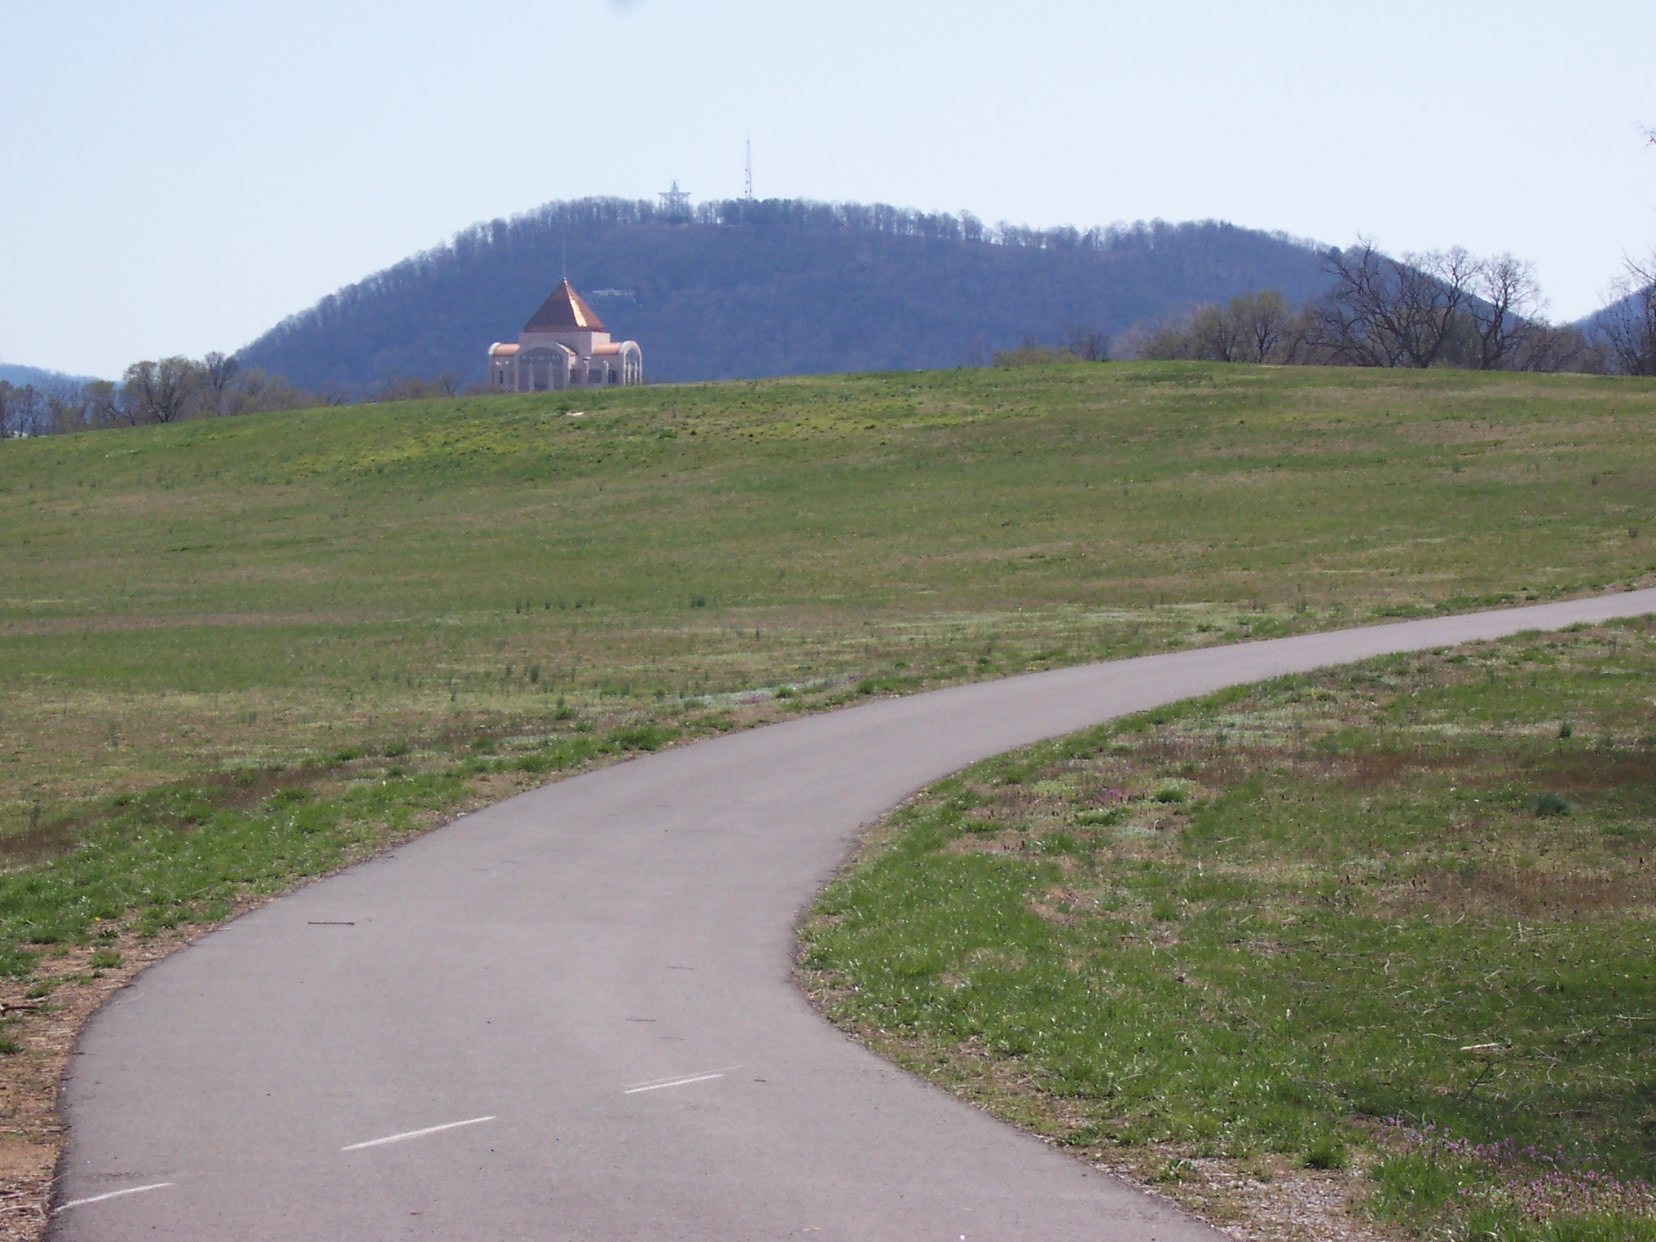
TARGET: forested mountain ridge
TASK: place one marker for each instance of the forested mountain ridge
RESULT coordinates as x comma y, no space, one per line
743,289
16,373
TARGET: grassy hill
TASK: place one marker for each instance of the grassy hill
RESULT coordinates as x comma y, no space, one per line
253,590
773,288
237,653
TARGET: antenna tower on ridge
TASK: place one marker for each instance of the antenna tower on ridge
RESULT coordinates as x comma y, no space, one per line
675,203
748,171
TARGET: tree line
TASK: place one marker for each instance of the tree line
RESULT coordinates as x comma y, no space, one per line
802,215
169,390
177,389
777,287
1441,308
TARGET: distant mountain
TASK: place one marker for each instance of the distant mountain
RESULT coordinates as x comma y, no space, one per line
1625,305
38,377
746,289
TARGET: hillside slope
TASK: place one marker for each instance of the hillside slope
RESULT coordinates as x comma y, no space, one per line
247,589
237,652
746,290
39,377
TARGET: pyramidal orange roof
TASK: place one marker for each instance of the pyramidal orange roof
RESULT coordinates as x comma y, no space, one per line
564,312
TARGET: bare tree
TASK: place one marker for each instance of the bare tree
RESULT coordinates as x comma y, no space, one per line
1089,343
217,373
1348,320
1256,327
162,392
20,407
1548,348
107,406
1385,312
8,415
1168,343
173,389
1627,327
1265,321
1504,309
63,406
1442,308
1217,334
253,392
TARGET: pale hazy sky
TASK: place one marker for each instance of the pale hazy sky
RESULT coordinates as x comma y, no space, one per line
180,175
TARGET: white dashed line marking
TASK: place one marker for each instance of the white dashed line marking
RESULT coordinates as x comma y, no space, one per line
659,1083
412,1134
113,1194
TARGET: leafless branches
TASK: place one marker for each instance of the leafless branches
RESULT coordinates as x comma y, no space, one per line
1505,310
1268,323
1088,343
162,392
217,371
1442,308
1386,312
1257,327
168,391
20,407
1627,326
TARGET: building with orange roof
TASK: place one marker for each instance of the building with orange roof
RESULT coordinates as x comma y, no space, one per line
564,345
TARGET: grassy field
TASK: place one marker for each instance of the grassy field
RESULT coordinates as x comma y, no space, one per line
237,653
1398,916
175,600
365,597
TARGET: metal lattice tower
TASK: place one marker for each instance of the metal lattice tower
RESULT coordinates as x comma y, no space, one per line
675,203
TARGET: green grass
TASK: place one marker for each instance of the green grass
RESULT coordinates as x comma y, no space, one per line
324,598
1362,924
191,852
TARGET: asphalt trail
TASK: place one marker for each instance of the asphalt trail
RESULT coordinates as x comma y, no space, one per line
570,1016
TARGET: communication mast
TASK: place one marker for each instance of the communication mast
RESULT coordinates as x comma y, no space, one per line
675,203
748,171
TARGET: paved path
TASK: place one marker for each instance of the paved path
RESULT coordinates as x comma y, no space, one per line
569,1016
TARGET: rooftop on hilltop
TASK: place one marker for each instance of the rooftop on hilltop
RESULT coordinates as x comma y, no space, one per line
564,311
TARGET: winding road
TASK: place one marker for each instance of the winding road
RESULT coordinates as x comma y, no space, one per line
570,1016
